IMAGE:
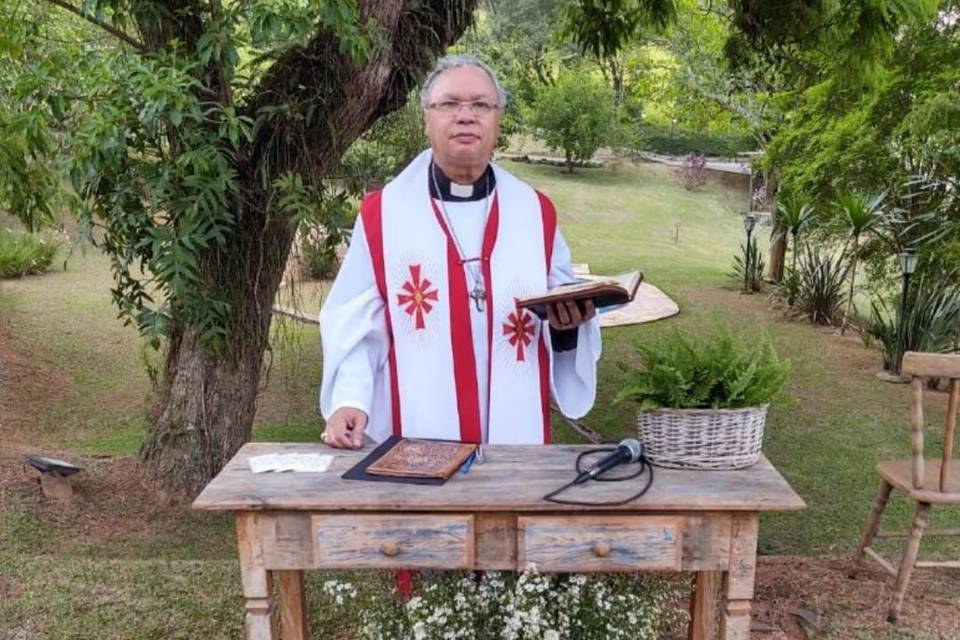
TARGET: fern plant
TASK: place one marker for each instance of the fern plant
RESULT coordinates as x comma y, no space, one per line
714,371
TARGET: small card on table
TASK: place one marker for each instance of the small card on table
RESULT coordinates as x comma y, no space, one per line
301,462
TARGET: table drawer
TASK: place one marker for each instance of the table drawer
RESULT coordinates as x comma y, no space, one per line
599,543
386,541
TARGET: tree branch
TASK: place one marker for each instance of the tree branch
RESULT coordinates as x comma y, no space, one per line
133,42
335,98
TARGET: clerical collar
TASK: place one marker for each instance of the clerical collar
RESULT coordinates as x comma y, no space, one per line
453,192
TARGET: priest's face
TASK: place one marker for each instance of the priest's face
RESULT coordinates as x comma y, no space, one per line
463,121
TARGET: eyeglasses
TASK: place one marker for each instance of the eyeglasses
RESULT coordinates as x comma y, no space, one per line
477,107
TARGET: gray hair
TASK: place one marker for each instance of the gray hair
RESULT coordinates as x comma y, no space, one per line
454,62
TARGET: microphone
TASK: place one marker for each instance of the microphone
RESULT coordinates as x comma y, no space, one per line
628,450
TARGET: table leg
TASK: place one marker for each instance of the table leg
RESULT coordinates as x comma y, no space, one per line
738,580
703,605
257,581
293,605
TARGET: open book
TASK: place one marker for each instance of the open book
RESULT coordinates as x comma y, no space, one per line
605,292
415,458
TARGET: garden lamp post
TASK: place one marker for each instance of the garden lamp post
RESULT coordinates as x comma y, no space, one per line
749,222
908,264
673,124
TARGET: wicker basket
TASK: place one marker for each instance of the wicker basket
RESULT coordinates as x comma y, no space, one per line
702,438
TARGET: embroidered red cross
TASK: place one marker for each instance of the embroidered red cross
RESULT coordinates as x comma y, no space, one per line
520,330
418,295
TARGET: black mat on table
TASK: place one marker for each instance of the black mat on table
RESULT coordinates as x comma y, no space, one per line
359,470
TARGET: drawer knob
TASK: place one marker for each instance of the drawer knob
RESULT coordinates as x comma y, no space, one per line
601,550
389,549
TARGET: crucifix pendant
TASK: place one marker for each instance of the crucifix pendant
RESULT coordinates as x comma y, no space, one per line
478,295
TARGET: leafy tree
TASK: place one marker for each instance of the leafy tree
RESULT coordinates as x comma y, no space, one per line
605,27
191,132
894,130
859,212
574,115
795,215
761,34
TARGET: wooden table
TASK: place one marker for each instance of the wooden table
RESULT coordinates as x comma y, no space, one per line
494,518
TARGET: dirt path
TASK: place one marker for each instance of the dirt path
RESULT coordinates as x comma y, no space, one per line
803,597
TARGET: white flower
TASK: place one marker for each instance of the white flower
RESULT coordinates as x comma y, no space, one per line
419,631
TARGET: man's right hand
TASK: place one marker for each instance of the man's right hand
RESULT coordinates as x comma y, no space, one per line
345,428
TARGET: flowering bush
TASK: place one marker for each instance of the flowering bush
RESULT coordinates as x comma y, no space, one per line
692,173
530,606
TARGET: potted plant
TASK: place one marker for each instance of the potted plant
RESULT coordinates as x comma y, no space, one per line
703,399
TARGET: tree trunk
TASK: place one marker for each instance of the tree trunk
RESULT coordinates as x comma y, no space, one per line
778,247
616,79
207,400
853,280
569,162
204,415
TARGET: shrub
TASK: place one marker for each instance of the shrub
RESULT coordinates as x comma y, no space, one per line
574,115
821,278
788,289
748,266
25,253
692,172
660,139
530,606
325,222
932,321
319,256
716,371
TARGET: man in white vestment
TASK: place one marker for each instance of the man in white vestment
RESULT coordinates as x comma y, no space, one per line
421,333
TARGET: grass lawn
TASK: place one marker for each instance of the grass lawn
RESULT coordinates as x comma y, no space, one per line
75,382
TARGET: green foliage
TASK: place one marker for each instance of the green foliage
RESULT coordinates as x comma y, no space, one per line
711,371
574,115
792,32
748,266
795,214
152,164
383,151
932,321
789,288
781,34
25,253
28,182
323,219
859,211
323,236
679,142
604,27
517,41
821,275
933,191
878,132
319,257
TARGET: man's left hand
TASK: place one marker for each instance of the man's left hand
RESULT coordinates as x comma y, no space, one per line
567,314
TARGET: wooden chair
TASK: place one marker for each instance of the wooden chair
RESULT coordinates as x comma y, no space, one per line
928,481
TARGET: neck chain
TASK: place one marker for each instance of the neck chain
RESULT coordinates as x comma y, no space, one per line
478,293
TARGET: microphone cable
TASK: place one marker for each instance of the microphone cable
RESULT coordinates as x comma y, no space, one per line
644,466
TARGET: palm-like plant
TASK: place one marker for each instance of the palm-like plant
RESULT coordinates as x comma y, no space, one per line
796,213
859,212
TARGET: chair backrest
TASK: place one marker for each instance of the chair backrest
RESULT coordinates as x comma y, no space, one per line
931,365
